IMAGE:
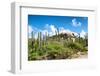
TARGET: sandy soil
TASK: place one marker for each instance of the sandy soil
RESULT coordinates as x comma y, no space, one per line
83,56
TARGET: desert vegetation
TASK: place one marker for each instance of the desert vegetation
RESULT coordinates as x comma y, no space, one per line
58,46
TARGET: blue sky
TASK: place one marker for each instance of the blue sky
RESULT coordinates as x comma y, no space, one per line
49,24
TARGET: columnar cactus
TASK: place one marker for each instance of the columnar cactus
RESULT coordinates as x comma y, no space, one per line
32,35
40,39
86,39
58,34
79,37
46,38
43,42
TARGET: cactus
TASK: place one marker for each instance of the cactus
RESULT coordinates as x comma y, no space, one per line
48,35
43,42
79,37
46,38
40,40
32,35
58,34
86,39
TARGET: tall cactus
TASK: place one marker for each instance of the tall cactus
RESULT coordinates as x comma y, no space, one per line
46,38
40,39
32,35
43,42
86,39
58,34
79,37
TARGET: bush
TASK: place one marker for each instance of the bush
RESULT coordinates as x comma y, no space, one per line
55,50
76,46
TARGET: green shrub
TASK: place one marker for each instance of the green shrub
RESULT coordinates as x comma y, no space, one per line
55,50
76,46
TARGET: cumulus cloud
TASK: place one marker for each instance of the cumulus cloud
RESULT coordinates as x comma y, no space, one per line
53,29
34,30
63,30
44,32
50,29
29,31
75,23
82,34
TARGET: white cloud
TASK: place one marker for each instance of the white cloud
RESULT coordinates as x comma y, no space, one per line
62,30
50,29
30,29
44,32
75,23
82,34
34,30
53,29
